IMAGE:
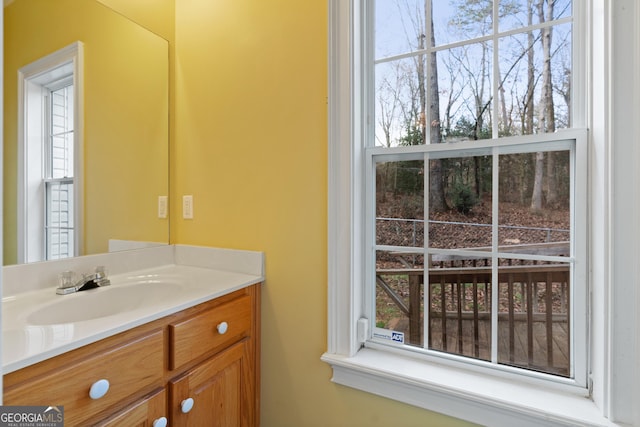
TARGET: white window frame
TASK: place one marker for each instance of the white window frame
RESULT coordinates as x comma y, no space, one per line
612,86
32,80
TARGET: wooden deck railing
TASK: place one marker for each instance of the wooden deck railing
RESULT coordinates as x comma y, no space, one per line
533,314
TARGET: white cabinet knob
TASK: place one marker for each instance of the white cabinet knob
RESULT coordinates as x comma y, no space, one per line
222,328
99,389
186,405
160,422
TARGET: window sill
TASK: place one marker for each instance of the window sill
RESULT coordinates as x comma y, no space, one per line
470,396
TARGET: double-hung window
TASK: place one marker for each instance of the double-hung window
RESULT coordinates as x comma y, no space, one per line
458,208
474,199
49,166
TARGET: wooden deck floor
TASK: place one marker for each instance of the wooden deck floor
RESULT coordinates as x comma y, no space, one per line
527,352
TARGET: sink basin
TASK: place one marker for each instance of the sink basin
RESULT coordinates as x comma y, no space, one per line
102,302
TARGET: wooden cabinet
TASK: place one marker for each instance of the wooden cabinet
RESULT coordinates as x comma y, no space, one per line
206,357
213,394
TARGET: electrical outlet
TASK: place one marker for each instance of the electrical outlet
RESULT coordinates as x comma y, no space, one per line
187,207
163,202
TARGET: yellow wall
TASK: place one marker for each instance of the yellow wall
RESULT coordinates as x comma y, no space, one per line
251,147
156,15
126,115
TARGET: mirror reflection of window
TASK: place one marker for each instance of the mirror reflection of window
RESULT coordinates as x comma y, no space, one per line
48,217
59,171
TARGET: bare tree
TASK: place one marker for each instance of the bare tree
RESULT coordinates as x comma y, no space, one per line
388,104
547,113
453,93
528,102
428,113
437,201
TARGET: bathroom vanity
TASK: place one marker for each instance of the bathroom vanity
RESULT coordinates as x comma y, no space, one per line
189,356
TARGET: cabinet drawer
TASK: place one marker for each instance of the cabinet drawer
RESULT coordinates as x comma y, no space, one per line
204,333
128,368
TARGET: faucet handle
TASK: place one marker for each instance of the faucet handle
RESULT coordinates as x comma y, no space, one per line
101,276
101,272
66,279
66,283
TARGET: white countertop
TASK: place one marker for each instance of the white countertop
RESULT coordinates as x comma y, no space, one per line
27,341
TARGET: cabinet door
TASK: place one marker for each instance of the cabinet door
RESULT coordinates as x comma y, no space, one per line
220,392
145,413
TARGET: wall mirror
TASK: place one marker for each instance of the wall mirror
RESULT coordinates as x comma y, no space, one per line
125,124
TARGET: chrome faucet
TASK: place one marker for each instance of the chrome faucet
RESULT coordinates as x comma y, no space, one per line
89,281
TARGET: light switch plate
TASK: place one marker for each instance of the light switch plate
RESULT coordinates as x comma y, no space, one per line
163,202
187,207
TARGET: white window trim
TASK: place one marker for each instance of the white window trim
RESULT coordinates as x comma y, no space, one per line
72,53
614,235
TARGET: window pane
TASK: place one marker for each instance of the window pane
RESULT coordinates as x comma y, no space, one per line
400,27
400,203
59,226
535,98
460,203
533,321
464,93
462,20
60,243
399,297
61,139
62,110
400,102
460,310
521,13
534,203
61,153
